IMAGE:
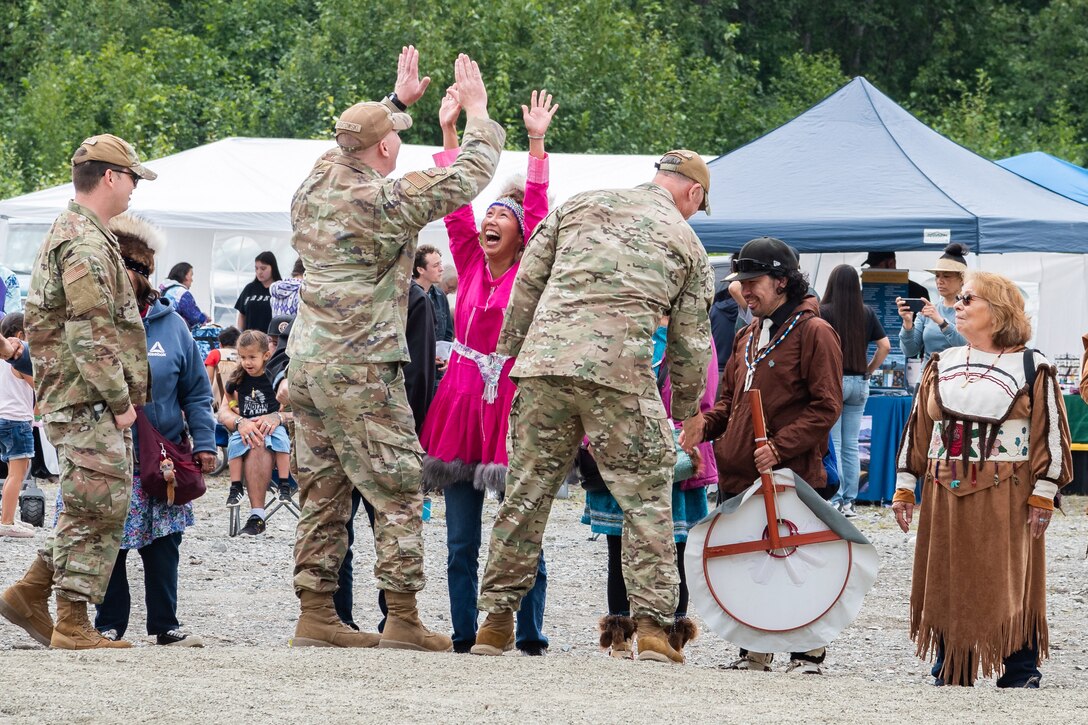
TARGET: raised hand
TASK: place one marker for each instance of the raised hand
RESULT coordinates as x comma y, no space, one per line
409,87
450,108
470,86
538,114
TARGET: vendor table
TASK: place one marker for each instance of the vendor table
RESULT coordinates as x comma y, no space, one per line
1077,411
889,415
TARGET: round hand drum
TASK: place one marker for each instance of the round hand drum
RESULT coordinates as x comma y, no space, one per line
792,599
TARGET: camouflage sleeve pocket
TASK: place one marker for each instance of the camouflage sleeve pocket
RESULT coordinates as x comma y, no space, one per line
81,289
416,182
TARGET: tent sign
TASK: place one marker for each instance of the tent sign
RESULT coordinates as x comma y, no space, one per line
937,236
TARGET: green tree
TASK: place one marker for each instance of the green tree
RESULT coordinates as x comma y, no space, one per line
173,94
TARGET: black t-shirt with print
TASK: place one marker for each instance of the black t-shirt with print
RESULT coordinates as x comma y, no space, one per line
255,396
255,303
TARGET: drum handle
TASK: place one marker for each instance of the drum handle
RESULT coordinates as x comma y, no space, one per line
759,425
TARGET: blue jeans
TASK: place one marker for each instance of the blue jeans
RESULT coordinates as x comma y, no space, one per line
844,435
342,600
160,589
464,511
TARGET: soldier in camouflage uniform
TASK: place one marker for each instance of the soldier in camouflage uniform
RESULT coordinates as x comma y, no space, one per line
356,234
595,279
90,363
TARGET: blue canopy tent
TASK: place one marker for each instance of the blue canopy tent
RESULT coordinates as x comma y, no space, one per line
856,173
1058,175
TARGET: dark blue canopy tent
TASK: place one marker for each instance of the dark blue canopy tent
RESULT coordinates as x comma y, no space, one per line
857,173
1050,172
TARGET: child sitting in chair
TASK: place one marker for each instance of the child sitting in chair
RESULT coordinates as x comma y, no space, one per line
253,414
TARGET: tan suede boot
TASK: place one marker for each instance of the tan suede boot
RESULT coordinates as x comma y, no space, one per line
319,626
403,630
616,636
653,643
682,631
493,634
74,631
26,602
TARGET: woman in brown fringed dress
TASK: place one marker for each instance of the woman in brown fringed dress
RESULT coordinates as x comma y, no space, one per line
992,450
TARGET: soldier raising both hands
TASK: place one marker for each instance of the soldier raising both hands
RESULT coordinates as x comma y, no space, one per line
356,231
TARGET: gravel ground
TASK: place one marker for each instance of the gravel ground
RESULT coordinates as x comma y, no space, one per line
237,594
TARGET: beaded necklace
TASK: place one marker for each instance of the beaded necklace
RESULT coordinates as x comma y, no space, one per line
751,362
969,377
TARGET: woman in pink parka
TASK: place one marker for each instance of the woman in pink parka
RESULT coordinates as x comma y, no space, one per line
464,434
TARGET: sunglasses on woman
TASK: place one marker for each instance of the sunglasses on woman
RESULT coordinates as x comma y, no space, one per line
966,299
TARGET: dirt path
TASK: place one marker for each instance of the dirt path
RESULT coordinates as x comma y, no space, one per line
237,594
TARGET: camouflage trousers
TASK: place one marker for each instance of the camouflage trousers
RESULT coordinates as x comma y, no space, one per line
95,483
354,429
633,444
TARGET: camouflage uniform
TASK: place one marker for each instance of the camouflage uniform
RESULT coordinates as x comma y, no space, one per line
355,232
594,281
89,350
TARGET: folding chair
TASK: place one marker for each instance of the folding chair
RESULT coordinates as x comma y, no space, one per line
280,497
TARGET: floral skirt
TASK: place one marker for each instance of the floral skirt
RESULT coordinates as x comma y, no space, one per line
148,518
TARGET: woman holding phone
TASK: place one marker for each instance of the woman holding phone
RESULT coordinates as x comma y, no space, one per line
934,328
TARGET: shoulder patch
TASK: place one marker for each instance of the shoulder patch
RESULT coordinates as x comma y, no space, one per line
416,182
76,271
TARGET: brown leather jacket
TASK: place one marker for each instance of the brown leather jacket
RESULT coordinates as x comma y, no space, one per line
801,383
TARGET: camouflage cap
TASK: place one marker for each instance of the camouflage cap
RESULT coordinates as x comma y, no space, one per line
112,150
689,164
369,122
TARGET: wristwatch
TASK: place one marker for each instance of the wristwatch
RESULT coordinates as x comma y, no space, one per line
397,102
943,326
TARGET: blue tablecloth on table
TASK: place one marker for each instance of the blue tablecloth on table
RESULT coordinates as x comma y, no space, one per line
889,414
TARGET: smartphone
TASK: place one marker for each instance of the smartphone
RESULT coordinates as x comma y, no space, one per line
915,304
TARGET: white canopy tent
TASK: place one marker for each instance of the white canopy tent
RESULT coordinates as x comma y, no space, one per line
223,203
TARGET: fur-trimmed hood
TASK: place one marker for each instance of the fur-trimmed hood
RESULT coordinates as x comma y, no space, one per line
139,239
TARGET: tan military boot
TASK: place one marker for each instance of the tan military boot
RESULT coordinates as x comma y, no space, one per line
653,643
74,631
319,626
26,602
403,630
496,631
616,636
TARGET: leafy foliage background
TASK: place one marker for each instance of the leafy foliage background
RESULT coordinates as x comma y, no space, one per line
999,77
